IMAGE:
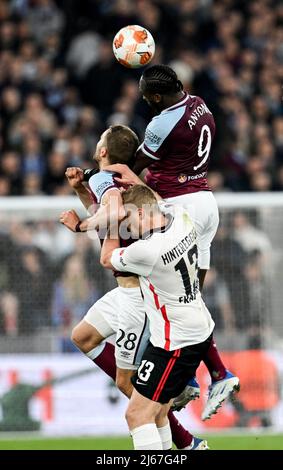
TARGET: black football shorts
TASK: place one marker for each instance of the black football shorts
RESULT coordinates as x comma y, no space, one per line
163,375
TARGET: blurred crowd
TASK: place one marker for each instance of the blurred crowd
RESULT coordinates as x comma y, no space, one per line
60,85
50,277
237,288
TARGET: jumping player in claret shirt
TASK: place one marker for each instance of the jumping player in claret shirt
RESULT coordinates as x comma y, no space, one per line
176,153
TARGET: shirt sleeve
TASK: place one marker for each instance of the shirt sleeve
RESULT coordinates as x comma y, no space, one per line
152,141
157,132
101,183
136,258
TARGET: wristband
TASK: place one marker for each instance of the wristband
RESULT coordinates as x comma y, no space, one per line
78,229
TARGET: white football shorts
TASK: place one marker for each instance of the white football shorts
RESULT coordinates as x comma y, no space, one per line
103,314
121,311
203,210
133,329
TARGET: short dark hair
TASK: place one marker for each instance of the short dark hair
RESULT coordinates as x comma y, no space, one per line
161,79
122,144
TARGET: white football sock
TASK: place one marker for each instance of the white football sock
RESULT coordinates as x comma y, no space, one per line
165,436
146,437
95,352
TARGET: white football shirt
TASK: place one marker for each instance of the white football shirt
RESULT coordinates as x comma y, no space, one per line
166,261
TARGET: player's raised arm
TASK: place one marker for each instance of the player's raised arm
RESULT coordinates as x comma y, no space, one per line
110,212
110,244
75,177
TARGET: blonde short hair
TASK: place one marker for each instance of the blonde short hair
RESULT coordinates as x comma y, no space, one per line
140,195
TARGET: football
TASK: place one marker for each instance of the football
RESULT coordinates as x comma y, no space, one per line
133,46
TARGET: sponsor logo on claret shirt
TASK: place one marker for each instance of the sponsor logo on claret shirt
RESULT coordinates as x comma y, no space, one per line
182,178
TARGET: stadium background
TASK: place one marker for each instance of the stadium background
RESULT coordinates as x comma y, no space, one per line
60,86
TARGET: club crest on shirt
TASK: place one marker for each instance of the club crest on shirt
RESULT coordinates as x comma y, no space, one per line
182,178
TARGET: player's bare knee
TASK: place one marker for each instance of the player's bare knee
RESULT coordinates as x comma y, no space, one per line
82,342
83,339
76,337
138,414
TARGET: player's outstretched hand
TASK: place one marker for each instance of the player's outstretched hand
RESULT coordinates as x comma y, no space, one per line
70,219
128,177
75,176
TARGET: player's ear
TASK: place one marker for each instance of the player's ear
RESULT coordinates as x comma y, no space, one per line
103,152
157,97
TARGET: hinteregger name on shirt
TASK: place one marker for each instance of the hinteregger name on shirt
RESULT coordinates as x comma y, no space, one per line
180,248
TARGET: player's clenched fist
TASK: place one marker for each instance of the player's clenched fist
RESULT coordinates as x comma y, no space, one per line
75,176
70,219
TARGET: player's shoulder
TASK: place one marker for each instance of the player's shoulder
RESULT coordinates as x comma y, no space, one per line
169,117
196,101
161,126
141,250
102,182
102,175
147,244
